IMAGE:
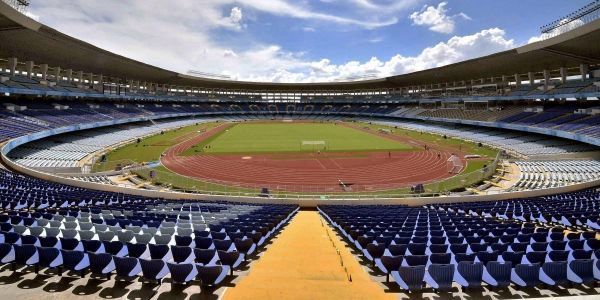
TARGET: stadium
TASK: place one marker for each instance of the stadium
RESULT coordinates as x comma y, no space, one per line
474,179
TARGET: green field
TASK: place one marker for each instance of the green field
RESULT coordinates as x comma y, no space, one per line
253,138
258,137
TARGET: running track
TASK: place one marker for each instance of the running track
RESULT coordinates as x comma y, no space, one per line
309,171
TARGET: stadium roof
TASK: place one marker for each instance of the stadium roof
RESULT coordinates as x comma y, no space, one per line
27,39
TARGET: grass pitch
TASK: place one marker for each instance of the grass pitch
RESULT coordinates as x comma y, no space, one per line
256,138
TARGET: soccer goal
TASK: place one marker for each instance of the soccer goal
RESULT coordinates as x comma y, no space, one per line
313,145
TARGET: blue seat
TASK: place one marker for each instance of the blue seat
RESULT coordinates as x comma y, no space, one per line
50,242
575,245
50,258
387,264
245,246
535,257
27,255
162,252
463,257
440,277
580,254
127,267
437,248
415,260
204,243
211,275
101,264
554,273
513,257
416,249
557,245
476,248
184,241
231,259
76,261
410,277
374,251
93,246
71,244
394,250
30,240
526,275
581,271
154,269
485,257
224,245
592,244
138,250
558,255
497,273
206,256
116,248
458,248
182,273
469,274
182,254
440,259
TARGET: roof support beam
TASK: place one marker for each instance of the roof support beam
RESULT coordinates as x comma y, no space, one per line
29,68
12,66
584,69
563,75
44,71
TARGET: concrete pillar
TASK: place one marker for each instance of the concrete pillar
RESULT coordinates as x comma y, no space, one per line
69,75
91,79
546,79
584,70
517,80
531,78
101,83
57,75
29,68
12,66
80,77
44,71
563,75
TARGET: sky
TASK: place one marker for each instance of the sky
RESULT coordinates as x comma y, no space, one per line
302,40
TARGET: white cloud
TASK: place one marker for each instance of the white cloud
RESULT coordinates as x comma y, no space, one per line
436,18
457,48
298,11
182,39
33,16
236,16
565,25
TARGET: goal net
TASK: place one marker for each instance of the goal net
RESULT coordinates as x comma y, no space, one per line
313,145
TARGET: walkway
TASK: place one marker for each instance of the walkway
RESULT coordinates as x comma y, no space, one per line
302,263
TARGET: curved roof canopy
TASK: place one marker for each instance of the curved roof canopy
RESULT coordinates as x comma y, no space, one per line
27,39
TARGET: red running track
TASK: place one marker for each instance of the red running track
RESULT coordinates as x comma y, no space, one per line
303,172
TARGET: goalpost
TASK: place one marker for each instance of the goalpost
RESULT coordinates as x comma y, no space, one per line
313,145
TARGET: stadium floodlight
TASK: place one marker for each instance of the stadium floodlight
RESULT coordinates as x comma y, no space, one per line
19,5
577,18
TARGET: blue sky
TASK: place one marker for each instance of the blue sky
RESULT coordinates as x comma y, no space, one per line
302,40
